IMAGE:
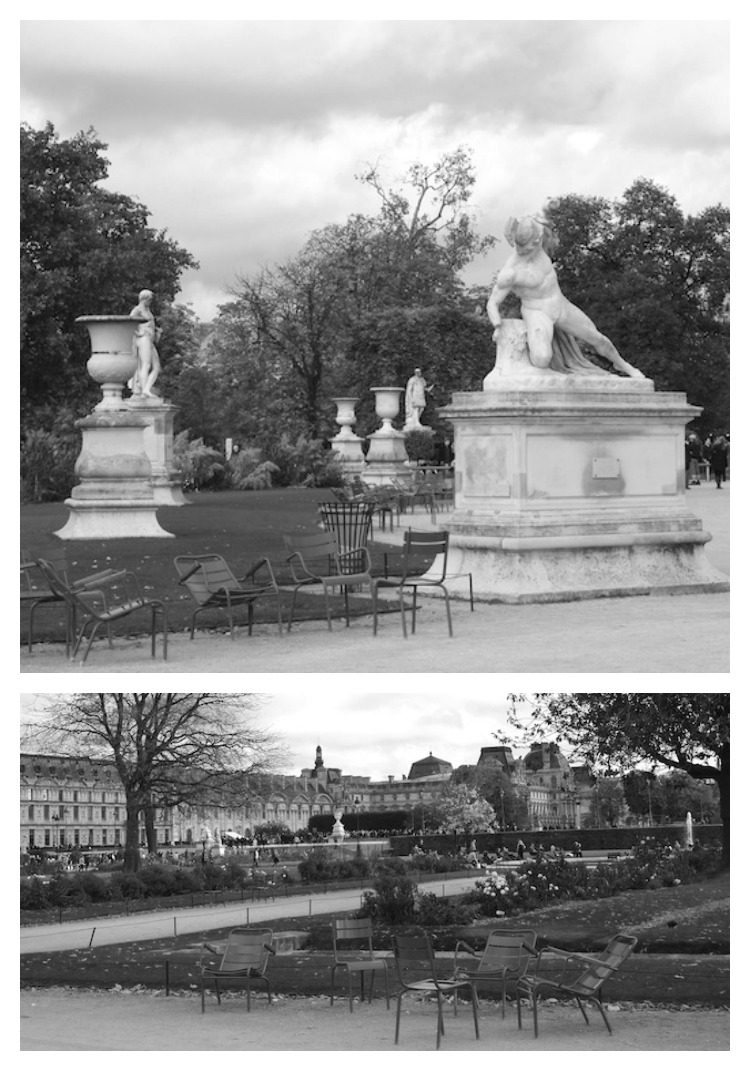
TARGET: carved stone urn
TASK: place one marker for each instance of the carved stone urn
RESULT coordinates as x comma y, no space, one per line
113,361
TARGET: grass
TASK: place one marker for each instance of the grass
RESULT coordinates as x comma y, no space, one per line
242,526
686,963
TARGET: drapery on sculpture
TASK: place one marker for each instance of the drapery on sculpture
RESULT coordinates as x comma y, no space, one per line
146,336
554,326
415,398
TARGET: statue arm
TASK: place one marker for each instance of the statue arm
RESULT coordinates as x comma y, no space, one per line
499,293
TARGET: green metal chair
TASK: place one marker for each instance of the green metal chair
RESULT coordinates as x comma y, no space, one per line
354,954
416,971
213,585
587,984
505,958
243,961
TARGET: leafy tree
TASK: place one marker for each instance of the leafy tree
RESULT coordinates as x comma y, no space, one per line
657,282
609,801
168,747
508,799
617,731
84,250
372,298
461,809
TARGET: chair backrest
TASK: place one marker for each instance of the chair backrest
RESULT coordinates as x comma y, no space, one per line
509,950
414,957
616,952
57,583
417,546
247,950
352,937
203,574
319,551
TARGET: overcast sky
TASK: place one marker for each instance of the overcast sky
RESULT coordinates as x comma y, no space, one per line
244,137
374,733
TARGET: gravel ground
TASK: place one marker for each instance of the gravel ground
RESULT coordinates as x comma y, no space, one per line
60,1020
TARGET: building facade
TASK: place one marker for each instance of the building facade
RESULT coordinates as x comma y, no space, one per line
68,802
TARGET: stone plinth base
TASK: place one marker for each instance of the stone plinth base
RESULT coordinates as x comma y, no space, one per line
113,519
347,448
573,487
387,459
158,443
114,499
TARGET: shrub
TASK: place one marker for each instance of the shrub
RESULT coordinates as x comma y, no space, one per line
47,465
33,895
304,462
432,910
420,445
201,467
392,899
128,886
322,865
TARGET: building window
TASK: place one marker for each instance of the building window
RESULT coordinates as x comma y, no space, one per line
91,836
31,812
47,838
75,796
117,837
31,838
46,812
104,814
76,837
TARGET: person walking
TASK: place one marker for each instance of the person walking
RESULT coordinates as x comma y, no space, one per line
718,459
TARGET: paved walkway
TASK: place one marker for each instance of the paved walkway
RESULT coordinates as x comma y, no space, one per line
641,634
153,925
63,1020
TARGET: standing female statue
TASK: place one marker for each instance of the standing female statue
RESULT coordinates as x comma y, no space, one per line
146,336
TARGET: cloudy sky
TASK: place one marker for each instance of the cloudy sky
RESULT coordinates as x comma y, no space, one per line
371,732
242,137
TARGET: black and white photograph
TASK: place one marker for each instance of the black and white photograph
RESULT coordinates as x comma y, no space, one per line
374,377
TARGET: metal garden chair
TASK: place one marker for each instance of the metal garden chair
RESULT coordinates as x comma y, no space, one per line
416,971
586,986
102,599
504,958
213,585
243,961
354,954
414,576
315,559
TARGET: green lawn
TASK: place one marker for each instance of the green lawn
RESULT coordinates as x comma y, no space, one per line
683,937
242,526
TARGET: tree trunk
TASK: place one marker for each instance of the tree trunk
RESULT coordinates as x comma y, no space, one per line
132,840
723,782
149,821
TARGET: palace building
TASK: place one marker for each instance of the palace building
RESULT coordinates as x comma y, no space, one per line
70,802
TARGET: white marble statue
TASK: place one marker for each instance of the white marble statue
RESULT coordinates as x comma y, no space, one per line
415,399
146,336
553,324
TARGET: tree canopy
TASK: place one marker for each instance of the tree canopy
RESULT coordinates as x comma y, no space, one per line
656,281
617,731
84,250
168,747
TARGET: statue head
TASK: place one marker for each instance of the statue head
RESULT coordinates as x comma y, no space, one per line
528,233
145,295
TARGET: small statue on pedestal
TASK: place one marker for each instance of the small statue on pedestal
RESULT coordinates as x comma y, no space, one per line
144,341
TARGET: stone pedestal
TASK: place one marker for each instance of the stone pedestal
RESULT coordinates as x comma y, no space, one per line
114,498
387,458
158,442
571,487
346,445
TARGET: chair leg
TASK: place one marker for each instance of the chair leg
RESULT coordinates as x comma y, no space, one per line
91,639
398,1016
600,1006
448,610
440,1024
583,1011
403,612
413,610
475,1010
